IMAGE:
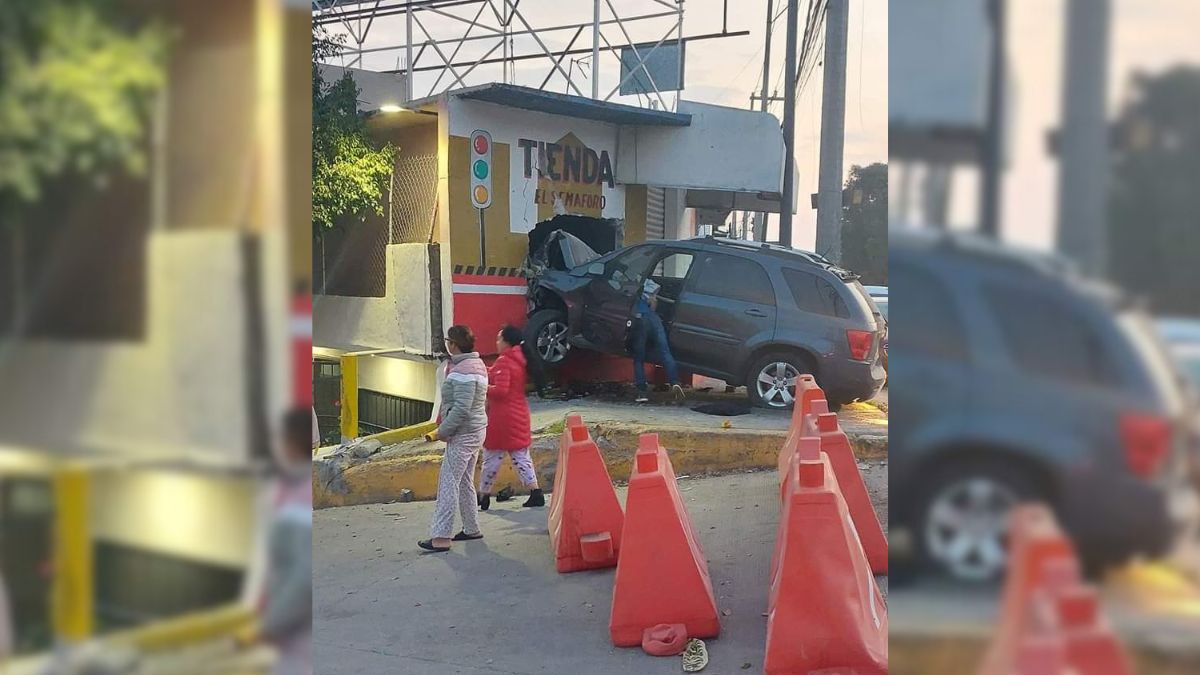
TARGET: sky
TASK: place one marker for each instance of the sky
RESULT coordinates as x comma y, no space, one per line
722,71
1147,35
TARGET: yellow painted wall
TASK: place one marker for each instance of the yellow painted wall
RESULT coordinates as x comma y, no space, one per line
190,515
504,248
635,214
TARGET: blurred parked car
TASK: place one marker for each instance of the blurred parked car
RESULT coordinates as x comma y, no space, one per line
1183,338
1017,380
880,295
739,311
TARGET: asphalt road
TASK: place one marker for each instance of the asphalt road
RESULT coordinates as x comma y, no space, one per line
498,606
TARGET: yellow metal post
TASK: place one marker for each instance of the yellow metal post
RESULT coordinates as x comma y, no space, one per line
73,593
349,410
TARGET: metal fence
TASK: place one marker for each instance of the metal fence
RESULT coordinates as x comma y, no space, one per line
413,199
352,259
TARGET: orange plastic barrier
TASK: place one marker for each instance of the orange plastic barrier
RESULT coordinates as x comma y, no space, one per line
802,426
1049,621
662,575
811,417
825,612
585,518
836,446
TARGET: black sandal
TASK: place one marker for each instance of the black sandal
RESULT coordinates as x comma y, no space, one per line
463,536
427,544
505,494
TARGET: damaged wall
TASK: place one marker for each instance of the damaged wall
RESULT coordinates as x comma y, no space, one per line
401,319
541,164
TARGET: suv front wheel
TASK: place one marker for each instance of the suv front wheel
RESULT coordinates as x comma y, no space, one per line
772,379
546,332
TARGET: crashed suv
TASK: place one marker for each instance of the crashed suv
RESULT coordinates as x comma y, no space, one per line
747,313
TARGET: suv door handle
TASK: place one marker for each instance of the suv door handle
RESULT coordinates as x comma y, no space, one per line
756,312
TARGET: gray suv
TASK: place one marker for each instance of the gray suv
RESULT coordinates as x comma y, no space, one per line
743,312
1013,379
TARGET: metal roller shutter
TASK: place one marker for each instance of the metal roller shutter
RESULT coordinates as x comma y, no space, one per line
655,213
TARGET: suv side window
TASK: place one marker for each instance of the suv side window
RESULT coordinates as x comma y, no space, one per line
1048,337
629,266
726,276
814,294
928,322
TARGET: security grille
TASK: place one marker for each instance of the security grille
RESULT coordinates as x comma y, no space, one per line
656,207
379,412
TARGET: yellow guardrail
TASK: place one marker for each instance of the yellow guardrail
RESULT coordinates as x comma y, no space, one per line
228,621
348,414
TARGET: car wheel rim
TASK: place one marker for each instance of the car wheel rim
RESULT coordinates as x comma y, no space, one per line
966,527
552,343
776,384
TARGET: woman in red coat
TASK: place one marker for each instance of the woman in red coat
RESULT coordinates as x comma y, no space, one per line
508,430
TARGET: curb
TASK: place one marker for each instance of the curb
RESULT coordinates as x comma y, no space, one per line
915,655
347,482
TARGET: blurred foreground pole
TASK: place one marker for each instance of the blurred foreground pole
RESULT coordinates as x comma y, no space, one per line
73,575
993,163
760,221
833,132
788,201
1083,151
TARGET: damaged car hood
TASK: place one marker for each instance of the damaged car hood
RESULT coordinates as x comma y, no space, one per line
561,251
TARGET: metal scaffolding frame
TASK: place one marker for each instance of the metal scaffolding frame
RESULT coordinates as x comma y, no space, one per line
432,49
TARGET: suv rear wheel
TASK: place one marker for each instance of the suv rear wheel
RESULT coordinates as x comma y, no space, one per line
772,379
964,515
547,333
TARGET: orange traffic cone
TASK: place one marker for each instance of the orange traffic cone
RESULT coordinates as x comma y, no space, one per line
662,575
585,517
825,613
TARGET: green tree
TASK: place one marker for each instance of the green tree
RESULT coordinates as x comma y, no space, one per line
1154,244
864,223
349,170
77,87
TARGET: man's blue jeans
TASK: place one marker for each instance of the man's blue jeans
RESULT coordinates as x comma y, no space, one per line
646,330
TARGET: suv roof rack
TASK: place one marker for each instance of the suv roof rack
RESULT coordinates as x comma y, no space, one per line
809,257
987,250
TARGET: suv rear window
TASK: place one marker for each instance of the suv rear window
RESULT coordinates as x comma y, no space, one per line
814,294
726,276
1048,337
928,323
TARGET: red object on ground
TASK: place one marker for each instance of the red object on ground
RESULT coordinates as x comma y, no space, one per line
585,518
662,575
302,358
665,640
1050,622
825,612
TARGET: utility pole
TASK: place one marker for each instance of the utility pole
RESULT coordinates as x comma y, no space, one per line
789,128
833,131
1083,150
989,203
760,222
596,51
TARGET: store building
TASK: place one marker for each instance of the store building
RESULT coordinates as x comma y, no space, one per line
388,288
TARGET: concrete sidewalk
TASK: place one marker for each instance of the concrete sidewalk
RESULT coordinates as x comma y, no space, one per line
700,444
938,626
498,606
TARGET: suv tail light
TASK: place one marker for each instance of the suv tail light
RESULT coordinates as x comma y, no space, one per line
1147,441
860,343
